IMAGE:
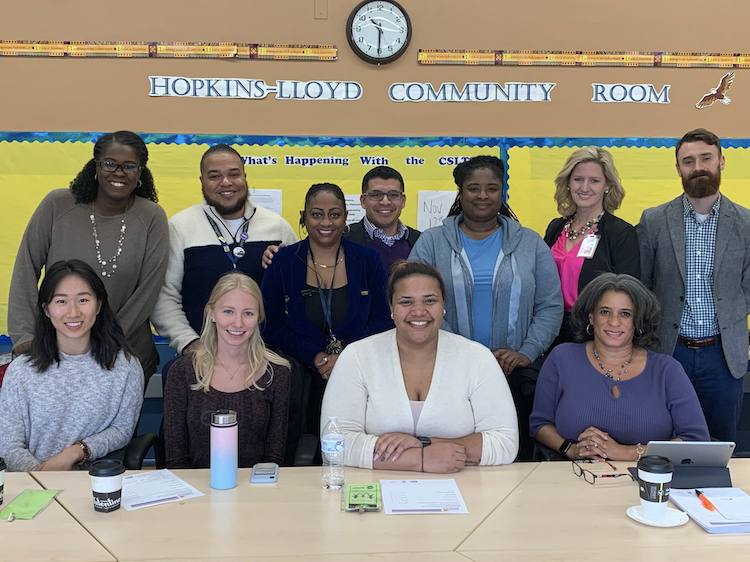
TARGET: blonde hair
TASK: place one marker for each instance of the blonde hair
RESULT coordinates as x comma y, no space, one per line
204,358
611,201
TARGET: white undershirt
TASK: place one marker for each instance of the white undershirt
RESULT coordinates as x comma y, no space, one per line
234,224
416,411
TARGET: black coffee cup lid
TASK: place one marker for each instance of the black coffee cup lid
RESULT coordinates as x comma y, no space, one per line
2,464
106,467
655,464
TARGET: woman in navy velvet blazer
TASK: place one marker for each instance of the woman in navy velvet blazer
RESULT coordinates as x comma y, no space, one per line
323,292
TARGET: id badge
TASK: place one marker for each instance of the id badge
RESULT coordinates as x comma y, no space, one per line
588,247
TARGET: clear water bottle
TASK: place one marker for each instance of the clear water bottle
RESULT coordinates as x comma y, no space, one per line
332,449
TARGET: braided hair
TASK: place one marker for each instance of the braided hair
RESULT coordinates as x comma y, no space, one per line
462,172
85,186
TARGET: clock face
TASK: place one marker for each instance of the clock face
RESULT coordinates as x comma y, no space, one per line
378,30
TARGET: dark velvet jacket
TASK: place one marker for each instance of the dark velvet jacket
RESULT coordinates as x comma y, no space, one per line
286,326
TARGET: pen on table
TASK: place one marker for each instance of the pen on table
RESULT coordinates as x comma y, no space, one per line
11,517
704,500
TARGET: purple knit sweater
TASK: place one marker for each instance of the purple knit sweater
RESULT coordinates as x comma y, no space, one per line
657,405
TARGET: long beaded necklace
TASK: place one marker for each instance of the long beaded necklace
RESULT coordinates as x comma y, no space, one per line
621,371
113,260
571,234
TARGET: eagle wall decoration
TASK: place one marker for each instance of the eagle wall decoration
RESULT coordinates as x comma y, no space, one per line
719,93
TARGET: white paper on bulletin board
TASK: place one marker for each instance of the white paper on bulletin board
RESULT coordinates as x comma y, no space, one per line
267,198
353,206
433,208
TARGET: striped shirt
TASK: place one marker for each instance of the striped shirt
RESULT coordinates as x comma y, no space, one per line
699,315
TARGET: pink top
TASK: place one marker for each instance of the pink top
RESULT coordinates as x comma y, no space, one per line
569,267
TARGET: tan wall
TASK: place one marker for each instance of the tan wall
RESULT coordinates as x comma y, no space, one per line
108,94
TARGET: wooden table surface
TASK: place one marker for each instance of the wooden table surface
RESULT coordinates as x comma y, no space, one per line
52,535
553,515
292,518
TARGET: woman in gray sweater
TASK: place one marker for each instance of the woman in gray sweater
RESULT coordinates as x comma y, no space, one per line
77,395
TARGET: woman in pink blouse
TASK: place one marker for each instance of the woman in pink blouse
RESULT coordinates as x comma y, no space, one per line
588,239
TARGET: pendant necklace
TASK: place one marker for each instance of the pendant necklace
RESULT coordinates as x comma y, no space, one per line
231,375
621,371
112,262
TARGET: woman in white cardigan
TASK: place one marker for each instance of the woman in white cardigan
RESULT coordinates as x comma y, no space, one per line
419,398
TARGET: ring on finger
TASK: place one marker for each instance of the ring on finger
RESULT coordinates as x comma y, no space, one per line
587,447
596,445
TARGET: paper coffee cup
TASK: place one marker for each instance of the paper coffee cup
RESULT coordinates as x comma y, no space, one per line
2,479
106,484
654,481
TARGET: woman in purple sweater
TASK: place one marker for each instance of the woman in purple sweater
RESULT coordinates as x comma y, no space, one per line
608,397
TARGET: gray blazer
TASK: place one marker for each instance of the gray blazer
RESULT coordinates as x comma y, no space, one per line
661,237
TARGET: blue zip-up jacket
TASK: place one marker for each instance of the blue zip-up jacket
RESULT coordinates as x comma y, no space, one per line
528,304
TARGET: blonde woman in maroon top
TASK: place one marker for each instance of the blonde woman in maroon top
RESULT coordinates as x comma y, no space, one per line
231,369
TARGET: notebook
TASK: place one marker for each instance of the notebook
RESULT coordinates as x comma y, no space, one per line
732,513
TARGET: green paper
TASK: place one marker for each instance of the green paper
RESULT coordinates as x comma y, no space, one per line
362,497
28,504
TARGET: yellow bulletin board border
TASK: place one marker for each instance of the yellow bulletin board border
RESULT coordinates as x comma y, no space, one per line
582,58
135,49
33,163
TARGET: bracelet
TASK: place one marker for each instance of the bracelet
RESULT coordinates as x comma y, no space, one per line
422,459
85,449
640,450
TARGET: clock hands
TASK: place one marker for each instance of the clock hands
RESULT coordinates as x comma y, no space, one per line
380,34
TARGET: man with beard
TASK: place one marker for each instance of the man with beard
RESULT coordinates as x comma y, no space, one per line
226,232
695,255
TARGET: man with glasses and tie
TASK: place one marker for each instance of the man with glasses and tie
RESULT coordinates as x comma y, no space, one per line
383,199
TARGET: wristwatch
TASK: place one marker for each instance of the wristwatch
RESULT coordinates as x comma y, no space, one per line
566,445
426,441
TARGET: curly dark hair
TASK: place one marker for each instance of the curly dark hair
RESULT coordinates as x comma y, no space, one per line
646,315
85,187
465,169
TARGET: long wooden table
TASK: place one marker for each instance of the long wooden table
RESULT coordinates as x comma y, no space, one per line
52,535
553,515
293,518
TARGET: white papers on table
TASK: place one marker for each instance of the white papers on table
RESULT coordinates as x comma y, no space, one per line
732,513
154,488
422,496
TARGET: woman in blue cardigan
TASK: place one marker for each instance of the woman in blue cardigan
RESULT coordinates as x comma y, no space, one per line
323,292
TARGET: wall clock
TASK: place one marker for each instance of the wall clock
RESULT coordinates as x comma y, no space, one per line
378,31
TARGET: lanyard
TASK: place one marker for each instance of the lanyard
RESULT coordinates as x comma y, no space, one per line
239,251
326,301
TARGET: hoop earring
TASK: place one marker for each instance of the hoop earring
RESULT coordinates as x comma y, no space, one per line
591,333
96,178
444,312
391,315
638,333
139,184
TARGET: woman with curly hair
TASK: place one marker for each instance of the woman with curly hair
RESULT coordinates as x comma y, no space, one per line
109,219
502,288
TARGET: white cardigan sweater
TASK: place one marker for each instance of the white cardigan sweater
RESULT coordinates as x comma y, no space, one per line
468,394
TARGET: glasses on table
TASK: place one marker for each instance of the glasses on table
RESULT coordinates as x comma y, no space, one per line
378,195
110,166
592,477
